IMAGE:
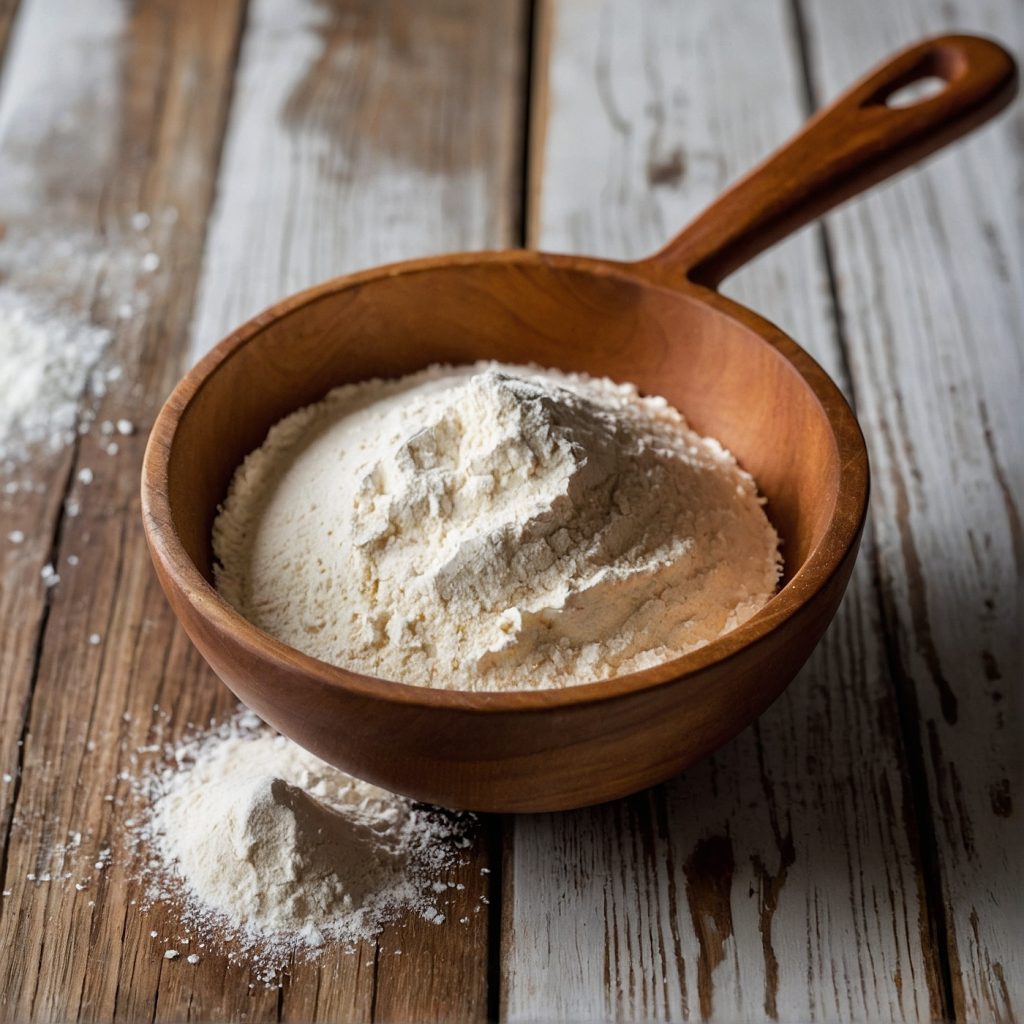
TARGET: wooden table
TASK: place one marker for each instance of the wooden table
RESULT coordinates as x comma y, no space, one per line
855,855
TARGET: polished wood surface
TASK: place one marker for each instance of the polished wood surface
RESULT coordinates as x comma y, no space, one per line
735,377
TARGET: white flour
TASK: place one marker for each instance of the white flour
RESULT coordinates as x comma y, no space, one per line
493,527
253,851
51,365
279,852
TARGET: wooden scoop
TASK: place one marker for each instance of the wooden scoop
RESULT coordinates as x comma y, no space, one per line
659,323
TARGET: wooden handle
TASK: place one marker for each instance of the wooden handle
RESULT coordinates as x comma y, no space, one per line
844,149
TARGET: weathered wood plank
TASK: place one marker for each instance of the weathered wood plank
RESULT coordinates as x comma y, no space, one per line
779,879
395,133
361,134
930,279
31,499
103,116
147,95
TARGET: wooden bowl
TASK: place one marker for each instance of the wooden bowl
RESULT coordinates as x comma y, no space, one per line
658,323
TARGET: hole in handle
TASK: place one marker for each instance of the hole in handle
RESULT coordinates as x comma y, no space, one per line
918,91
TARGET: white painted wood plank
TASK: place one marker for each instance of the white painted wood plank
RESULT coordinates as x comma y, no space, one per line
932,286
647,114
778,879
365,137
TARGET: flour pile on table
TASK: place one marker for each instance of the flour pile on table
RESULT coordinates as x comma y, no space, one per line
280,852
491,527
51,362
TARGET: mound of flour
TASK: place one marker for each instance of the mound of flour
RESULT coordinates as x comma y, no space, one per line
281,852
493,527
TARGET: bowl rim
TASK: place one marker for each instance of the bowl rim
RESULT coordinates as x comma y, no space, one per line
824,561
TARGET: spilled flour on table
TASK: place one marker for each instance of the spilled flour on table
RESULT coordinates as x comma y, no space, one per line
275,851
55,363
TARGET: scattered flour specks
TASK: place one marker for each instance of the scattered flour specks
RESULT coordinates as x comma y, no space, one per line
263,845
56,361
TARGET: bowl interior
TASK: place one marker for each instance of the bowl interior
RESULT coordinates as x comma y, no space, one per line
727,380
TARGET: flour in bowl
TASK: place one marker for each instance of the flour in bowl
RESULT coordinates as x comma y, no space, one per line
493,527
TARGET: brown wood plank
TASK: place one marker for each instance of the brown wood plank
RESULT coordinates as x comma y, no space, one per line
930,279
338,110
104,114
31,498
8,9
780,879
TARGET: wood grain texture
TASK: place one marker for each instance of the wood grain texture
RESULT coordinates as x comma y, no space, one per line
103,116
106,112
860,138
398,135
929,278
781,878
36,505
